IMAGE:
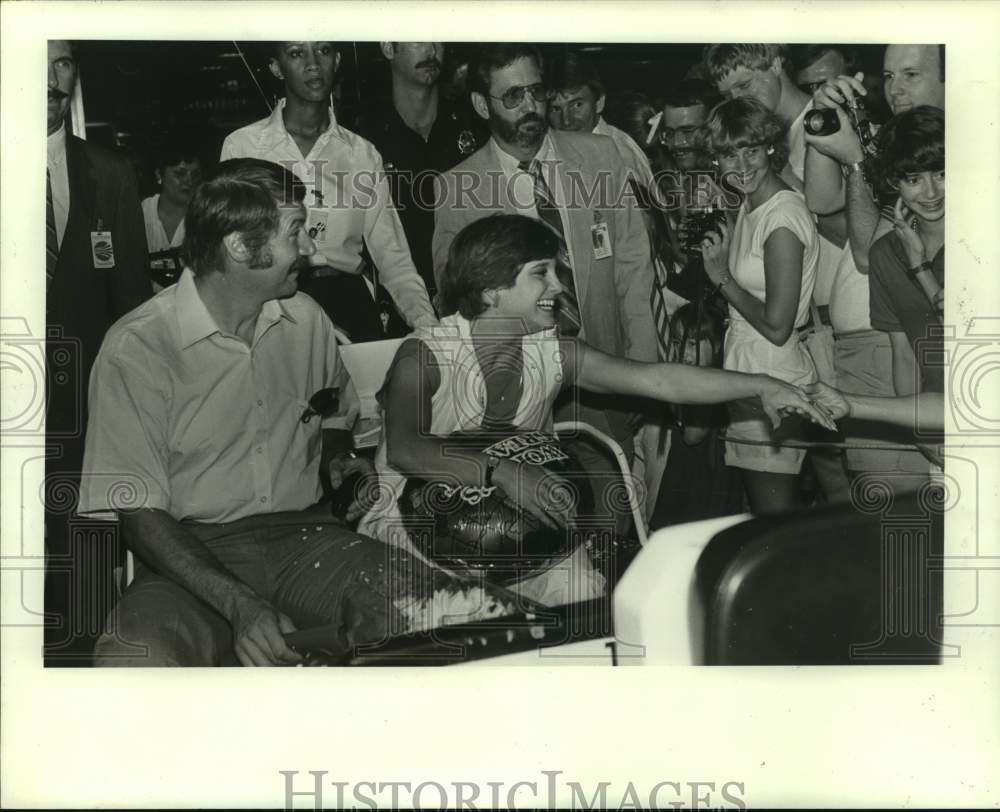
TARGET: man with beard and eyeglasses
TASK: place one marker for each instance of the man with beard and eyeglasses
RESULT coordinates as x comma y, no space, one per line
96,270
577,184
419,134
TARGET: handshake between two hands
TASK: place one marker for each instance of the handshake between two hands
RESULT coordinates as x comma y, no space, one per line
818,402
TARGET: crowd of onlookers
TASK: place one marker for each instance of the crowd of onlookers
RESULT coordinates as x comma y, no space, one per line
772,210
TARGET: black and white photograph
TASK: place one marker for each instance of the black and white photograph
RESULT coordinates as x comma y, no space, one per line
481,368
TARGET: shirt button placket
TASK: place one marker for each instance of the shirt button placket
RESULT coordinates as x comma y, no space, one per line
261,468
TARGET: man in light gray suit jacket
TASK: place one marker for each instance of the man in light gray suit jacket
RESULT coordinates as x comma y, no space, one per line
608,251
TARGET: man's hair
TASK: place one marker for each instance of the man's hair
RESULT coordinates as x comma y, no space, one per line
689,93
174,149
242,196
911,142
721,60
691,323
490,253
802,56
493,57
626,109
940,54
744,122
570,70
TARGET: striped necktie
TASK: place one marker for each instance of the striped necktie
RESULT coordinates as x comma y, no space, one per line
51,235
568,316
660,238
658,304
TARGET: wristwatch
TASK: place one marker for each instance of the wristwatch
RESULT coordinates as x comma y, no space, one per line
926,265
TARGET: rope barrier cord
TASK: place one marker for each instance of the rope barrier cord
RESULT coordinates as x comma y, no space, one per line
823,444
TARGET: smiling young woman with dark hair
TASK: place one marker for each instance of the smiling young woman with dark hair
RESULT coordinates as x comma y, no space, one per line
496,364
906,279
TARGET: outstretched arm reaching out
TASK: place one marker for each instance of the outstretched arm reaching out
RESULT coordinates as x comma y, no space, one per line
684,384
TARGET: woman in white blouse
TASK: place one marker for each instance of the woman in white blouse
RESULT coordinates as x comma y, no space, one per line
765,266
178,173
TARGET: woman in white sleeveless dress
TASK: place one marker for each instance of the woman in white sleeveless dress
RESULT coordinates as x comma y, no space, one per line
765,266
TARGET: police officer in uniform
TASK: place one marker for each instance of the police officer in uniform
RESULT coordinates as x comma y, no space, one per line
419,134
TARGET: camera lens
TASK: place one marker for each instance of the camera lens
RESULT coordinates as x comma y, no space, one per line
697,225
821,122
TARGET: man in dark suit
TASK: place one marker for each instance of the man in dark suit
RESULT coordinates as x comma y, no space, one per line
96,271
577,183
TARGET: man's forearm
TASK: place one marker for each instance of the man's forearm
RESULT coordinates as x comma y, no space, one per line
396,271
824,183
862,219
163,544
924,412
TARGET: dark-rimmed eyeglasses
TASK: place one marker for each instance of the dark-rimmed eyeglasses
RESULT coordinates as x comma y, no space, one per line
514,96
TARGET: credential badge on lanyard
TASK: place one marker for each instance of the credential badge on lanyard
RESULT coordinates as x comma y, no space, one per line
316,218
102,249
600,237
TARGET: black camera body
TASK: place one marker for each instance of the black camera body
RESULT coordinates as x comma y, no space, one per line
826,122
696,226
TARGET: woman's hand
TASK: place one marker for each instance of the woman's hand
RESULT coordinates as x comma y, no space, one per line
779,398
342,467
905,226
543,494
830,400
715,254
938,302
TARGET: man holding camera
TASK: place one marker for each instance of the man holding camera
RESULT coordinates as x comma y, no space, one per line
913,75
836,181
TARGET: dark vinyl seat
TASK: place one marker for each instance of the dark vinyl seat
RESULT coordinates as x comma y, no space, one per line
832,586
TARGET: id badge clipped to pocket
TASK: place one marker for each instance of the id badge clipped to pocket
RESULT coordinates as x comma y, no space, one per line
601,238
102,249
316,224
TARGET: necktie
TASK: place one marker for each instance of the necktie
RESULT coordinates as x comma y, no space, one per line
568,317
51,236
658,303
658,228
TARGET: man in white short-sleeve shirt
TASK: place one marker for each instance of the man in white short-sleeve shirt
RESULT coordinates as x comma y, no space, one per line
202,440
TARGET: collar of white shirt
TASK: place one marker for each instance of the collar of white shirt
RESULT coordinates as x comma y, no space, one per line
546,155
274,132
56,146
195,322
